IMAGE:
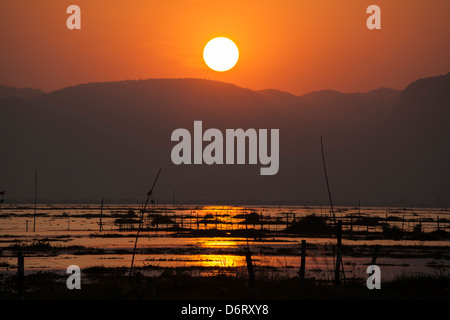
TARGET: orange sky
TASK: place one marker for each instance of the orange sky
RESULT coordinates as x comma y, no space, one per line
292,45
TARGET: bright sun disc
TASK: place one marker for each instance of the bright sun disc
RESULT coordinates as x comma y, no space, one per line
221,54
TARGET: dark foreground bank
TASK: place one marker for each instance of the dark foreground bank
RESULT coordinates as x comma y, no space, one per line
116,284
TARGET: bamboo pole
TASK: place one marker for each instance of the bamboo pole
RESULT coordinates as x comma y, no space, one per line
216,220
375,254
337,273
251,273
140,221
261,218
326,178
35,197
101,215
20,274
302,267
351,222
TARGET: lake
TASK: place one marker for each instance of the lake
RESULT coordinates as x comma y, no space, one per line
210,240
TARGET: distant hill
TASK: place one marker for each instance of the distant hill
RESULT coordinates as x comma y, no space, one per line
425,98
24,93
385,147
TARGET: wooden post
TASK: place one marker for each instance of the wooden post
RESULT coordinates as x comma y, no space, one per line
20,274
438,223
190,220
35,196
302,268
101,216
403,222
197,221
337,273
246,220
375,254
251,273
182,218
261,220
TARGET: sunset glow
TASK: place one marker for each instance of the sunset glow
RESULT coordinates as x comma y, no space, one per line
287,46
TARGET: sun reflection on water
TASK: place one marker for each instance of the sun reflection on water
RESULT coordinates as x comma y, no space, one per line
217,243
221,260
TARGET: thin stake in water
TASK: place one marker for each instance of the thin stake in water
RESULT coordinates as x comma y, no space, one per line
326,178
101,215
3,196
303,267
20,274
338,226
35,196
140,221
251,272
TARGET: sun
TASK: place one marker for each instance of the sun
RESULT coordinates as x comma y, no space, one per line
221,54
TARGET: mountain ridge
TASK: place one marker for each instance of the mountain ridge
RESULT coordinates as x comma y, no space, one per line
106,139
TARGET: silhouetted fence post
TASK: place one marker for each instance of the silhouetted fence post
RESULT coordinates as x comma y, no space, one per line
190,220
337,274
20,274
246,219
375,254
251,273
351,222
182,222
261,218
302,267
101,216
216,221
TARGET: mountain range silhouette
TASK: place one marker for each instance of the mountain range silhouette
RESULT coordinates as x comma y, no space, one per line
384,147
